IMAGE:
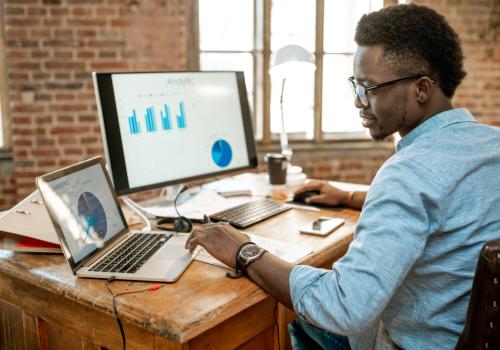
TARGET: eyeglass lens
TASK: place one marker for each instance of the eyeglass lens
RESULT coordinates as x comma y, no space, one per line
359,91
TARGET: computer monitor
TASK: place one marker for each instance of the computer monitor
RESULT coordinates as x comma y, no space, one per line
164,128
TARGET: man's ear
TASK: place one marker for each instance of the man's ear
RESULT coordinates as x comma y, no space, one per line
424,89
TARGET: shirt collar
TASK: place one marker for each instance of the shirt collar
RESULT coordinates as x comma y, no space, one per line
438,121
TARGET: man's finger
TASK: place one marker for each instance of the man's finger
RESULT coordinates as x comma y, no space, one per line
197,232
192,243
320,198
191,235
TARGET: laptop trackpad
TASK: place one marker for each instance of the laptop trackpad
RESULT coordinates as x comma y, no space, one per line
170,261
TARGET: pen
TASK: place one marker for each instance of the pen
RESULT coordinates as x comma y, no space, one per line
302,207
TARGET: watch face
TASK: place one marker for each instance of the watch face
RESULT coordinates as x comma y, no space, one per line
249,251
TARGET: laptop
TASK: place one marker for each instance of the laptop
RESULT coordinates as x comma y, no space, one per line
94,236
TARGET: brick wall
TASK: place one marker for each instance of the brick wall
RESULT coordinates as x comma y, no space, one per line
53,45
480,91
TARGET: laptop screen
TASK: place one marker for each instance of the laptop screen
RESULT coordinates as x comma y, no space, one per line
82,205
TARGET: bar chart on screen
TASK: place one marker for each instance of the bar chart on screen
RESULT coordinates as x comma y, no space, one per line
152,120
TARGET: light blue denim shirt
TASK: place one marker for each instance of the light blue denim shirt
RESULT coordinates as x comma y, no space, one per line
407,275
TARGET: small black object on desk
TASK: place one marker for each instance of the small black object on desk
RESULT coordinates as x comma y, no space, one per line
301,197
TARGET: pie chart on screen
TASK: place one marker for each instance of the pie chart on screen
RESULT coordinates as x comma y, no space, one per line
92,213
222,153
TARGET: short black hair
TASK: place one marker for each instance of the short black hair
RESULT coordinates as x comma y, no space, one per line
416,40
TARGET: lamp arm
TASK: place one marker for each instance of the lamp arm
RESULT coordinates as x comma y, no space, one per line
285,148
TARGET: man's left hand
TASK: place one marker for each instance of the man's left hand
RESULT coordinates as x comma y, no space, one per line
221,240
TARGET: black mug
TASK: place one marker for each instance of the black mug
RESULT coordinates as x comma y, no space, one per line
276,168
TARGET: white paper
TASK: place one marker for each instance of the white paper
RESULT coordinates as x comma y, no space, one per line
289,252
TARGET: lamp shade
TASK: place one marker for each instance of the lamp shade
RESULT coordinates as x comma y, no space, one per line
291,59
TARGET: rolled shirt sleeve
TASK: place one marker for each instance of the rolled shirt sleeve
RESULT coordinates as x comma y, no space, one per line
404,205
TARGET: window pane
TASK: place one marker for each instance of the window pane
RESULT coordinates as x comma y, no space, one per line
298,104
341,18
226,25
231,61
339,112
258,120
293,22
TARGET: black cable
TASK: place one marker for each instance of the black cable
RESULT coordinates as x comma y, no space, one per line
183,189
276,323
115,310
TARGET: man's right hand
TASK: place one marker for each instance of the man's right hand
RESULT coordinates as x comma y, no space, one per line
332,196
329,195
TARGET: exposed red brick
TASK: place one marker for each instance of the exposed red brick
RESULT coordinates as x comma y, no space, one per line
22,22
17,33
13,11
81,11
68,130
45,152
17,55
36,11
106,11
67,141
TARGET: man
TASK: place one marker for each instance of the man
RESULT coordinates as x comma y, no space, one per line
406,278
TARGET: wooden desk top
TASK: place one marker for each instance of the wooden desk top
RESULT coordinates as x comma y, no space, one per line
202,298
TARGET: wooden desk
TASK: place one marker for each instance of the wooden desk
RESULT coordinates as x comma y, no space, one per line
43,305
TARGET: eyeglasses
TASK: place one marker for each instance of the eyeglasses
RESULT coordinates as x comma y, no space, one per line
360,91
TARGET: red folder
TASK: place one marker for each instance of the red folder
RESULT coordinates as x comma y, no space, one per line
33,245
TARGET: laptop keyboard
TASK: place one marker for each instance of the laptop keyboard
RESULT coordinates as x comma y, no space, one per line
249,213
133,253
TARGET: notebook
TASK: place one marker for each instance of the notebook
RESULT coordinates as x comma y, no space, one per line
94,236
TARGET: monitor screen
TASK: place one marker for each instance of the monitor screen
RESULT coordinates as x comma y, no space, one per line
162,128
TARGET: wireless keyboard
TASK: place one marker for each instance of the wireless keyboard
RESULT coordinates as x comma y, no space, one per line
249,213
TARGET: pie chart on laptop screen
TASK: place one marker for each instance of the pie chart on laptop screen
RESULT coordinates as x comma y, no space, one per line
222,153
92,215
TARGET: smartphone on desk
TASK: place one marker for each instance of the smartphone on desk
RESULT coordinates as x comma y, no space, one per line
322,226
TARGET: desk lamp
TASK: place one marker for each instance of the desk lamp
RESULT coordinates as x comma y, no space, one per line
289,61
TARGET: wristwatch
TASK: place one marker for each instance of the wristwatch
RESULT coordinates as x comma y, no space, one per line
248,254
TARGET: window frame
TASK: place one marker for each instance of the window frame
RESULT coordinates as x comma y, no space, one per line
262,105
4,111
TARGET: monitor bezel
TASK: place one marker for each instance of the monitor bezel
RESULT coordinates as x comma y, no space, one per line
112,141
69,170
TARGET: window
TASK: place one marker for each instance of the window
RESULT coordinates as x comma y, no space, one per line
3,90
243,35
5,141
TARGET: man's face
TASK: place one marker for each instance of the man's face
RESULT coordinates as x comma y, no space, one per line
388,109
